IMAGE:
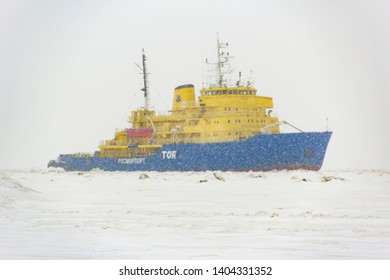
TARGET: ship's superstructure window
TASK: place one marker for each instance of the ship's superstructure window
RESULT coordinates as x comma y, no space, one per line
229,91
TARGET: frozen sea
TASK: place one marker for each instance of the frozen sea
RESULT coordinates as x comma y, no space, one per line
52,214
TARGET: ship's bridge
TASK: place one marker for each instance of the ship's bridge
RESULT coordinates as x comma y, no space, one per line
228,91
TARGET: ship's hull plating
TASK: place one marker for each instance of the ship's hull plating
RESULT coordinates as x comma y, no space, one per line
260,152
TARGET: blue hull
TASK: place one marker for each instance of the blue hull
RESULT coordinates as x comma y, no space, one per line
260,152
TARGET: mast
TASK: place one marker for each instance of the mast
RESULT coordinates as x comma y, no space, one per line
219,64
219,72
146,81
223,58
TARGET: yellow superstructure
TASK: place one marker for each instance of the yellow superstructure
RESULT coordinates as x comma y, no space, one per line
221,113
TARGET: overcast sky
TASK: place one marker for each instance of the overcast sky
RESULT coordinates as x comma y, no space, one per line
68,78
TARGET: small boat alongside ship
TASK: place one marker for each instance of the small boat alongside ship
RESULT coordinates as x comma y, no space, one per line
228,127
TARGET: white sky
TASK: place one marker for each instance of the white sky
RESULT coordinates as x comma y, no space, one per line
68,79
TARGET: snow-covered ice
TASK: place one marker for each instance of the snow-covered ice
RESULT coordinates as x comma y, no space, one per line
52,214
